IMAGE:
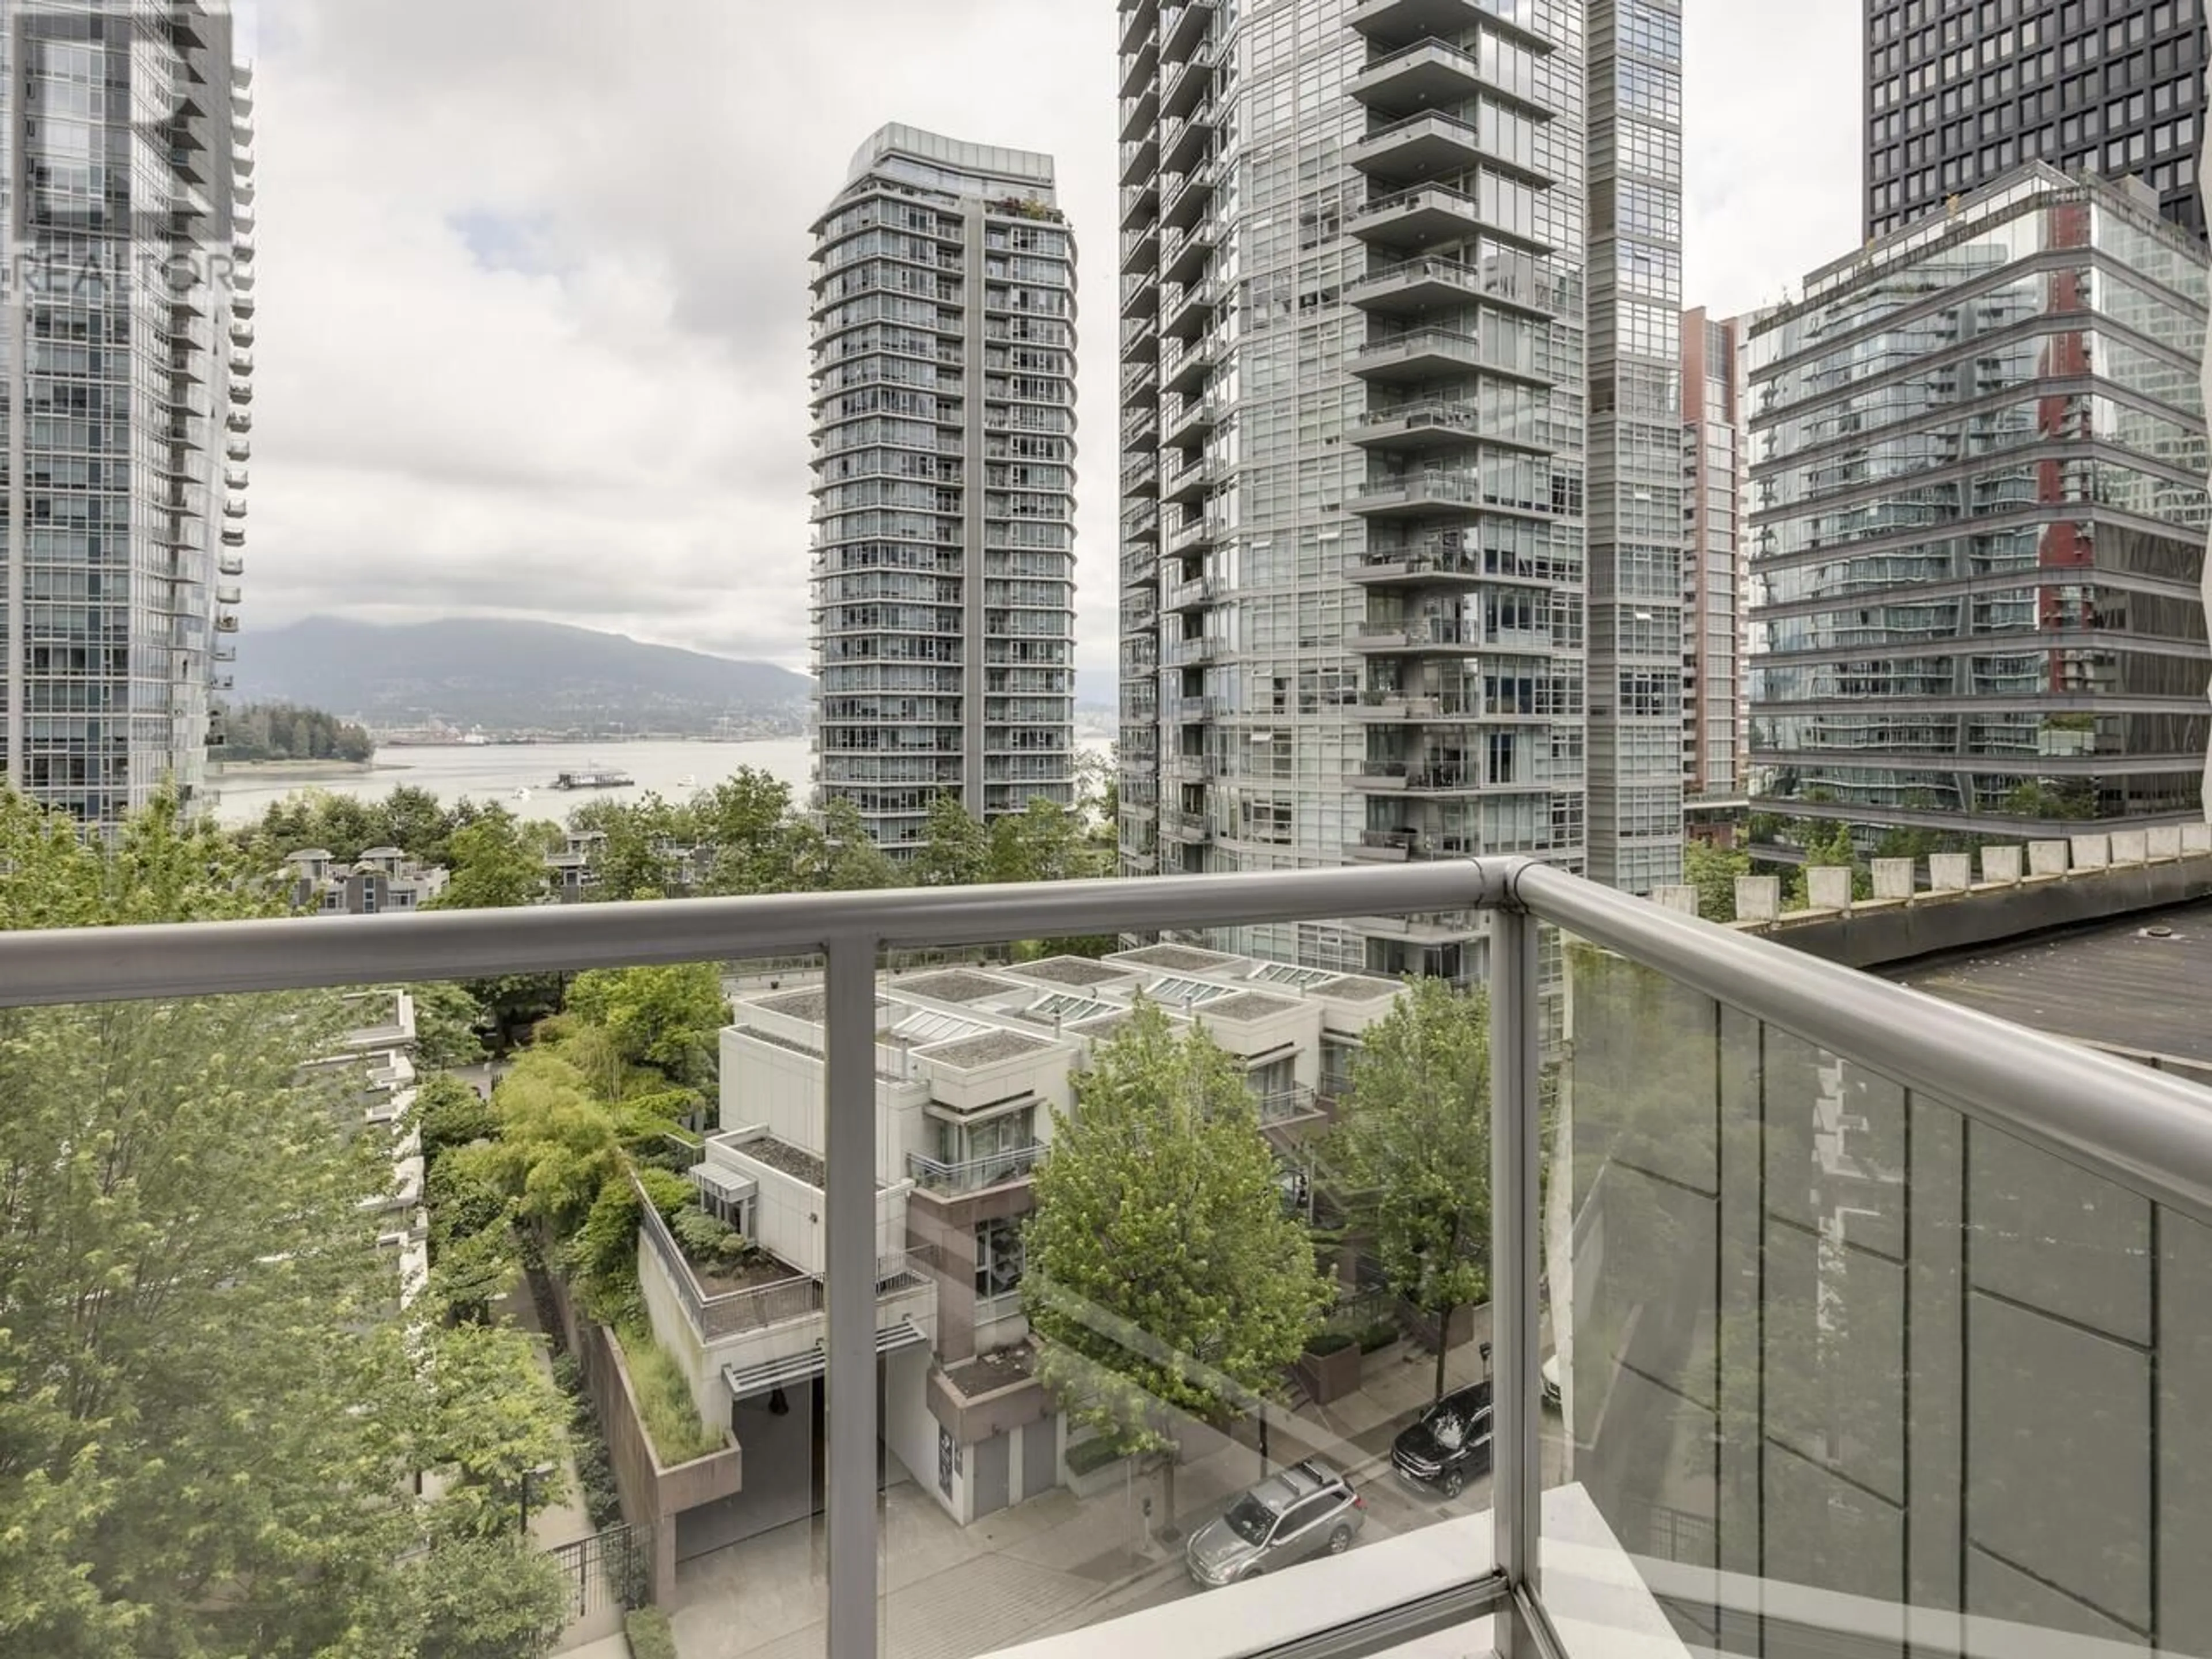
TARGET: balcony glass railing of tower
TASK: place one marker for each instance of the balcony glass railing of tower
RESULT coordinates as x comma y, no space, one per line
1780,1309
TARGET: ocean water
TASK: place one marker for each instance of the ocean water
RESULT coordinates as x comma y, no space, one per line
502,772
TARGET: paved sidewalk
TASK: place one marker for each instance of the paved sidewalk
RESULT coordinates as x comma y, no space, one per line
1057,1562
565,1523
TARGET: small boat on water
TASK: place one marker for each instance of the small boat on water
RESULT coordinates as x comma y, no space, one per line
522,794
687,782
598,779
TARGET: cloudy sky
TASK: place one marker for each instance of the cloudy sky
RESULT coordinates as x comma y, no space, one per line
532,277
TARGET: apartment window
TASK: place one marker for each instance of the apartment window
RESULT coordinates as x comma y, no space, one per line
998,1256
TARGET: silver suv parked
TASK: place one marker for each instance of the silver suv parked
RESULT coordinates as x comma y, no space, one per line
1307,1509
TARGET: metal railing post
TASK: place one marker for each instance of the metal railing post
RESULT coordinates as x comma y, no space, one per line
1516,1138
849,1249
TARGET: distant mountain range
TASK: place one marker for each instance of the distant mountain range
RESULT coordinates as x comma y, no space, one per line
507,676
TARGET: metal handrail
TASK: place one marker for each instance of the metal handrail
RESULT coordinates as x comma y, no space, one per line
2148,1132
977,1173
2145,1131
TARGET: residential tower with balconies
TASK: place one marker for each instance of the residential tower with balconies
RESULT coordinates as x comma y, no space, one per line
1351,424
130,387
943,408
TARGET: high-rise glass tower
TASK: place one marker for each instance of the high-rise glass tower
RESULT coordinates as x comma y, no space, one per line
1352,477
1635,443
1978,524
126,335
1959,92
1714,575
944,362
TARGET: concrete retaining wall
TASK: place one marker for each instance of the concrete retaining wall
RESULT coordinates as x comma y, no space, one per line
652,1494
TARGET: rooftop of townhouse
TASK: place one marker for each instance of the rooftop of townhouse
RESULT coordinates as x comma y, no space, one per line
962,1018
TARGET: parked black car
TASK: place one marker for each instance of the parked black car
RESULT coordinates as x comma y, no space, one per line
1450,1444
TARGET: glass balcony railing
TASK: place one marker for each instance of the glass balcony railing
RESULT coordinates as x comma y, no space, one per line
1761,1306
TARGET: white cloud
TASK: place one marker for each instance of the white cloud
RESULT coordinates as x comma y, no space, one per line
1773,146
532,321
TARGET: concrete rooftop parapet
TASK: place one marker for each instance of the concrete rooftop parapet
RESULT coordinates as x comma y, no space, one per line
2163,841
2131,847
1829,887
2196,838
1758,898
1892,878
2092,852
1684,899
1950,872
1944,918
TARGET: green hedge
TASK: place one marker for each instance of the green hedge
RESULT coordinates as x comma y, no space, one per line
650,1638
1091,1455
1381,1334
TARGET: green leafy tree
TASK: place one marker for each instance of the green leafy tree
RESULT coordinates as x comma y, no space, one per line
496,865
1828,846
487,1598
450,1113
498,862
467,1194
1164,1277
285,731
210,1404
1409,1159
955,849
448,1023
471,1273
491,1416
855,862
1042,842
1713,871
748,820
636,859
669,1018
557,1145
602,1256
415,823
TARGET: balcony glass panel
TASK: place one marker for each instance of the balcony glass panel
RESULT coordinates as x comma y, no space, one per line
1846,1364
1834,1357
1088,1432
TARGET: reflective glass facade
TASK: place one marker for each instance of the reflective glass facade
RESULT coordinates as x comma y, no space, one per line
128,142
1959,92
1635,505
944,361
1978,518
1353,479
1715,564
1874,1360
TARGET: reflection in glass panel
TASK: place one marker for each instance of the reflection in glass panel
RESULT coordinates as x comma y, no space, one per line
1861,1353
